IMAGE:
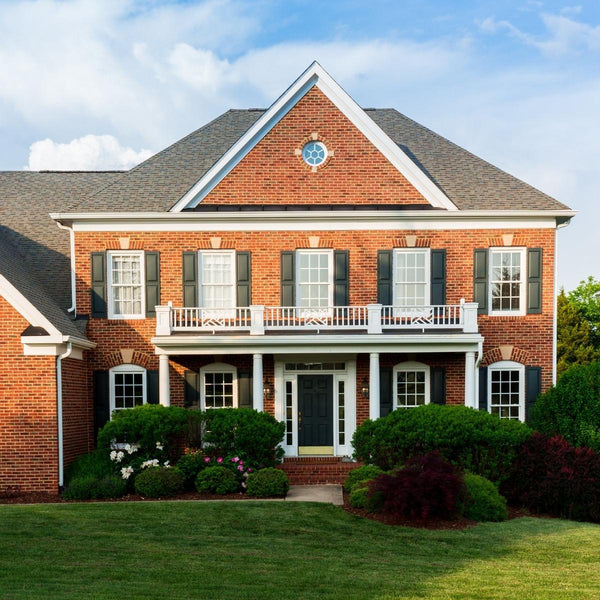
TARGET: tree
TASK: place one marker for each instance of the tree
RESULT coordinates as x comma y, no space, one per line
586,296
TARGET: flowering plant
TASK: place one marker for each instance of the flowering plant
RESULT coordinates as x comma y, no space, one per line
234,463
128,460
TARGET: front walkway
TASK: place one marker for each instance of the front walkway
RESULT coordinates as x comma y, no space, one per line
330,494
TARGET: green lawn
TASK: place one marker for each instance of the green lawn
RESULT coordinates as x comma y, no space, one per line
263,550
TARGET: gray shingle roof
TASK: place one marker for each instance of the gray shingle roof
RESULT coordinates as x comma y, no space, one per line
470,182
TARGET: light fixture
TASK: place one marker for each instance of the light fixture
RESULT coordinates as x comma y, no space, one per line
267,387
364,390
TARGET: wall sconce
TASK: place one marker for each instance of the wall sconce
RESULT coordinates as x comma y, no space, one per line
364,390
267,388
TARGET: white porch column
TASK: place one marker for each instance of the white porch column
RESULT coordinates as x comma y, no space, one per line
374,408
163,380
257,382
470,379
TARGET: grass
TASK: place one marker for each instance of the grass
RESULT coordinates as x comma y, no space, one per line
262,550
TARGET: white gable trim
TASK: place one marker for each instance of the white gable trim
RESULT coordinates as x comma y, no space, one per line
314,75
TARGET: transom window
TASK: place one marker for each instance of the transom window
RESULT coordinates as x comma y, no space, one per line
314,278
127,387
314,153
219,386
217,278
126,287
411,277
507,280
411,381
506,390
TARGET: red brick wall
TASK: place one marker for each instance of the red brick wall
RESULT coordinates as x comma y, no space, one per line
272,173
28,428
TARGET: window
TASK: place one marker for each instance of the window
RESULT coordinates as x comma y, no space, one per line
127,387
217,278
126,285
506,394
507,277
314,278
219,386
314,153
411,277
411,385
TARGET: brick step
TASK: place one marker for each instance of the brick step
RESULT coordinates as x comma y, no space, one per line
317,470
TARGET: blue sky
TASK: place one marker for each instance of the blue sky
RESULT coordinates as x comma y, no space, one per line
103,84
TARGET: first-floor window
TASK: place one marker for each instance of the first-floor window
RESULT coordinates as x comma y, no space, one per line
219,386
506,394
411,382
127,387
125,284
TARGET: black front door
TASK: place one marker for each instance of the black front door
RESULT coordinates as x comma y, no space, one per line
315,410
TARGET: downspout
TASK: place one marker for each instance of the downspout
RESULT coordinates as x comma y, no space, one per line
59,412
555,302
73,308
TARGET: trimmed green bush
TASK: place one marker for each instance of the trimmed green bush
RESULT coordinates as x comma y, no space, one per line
94,464
362,495
158,482
111,486
81,488
190,465
217,480
470,439
572,407
363,473
255,436
267,482
484,502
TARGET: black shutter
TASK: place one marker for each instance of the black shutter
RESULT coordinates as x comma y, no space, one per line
384,277
101,400
480,280
438,277
99,284
340,278
152,282
438,385
288,283
244,278
533,387
191,390
244,389
190,278
152,383
483,388
386,391
534,281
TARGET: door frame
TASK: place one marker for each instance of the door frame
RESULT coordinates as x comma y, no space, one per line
304,449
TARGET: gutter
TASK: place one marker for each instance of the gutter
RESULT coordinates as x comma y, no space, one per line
73,307
59,413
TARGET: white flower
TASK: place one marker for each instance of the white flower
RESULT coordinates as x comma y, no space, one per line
166,464
159,446
119,456
150,463
131,448
126,472
113,455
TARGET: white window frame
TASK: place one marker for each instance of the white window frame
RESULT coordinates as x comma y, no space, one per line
308,311
408,310
109,283
230,253
218,368
523,282
125,369
507,365
416,367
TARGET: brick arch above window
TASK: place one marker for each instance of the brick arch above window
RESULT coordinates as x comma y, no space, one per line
129,356
506,353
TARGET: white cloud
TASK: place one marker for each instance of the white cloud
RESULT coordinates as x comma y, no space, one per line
88,153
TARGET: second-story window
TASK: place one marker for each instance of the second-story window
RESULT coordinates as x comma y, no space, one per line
411,277
314,277
507,277
126,284
217,278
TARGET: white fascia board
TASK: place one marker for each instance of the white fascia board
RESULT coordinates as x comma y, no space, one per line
315,75
54,345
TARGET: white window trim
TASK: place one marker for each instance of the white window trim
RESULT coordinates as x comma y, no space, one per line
507,365
411,366
329,283
427,253
218,368
202,253
128,368
109,285
522,296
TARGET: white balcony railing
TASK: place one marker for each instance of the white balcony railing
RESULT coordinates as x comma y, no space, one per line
372,318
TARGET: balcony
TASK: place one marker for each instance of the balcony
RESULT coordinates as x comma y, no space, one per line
372,318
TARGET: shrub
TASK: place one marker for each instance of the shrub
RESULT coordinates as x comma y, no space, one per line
361,474
427,487
217,480
157,482
362,495
551,476
94,464
81,488
190,465
267,482
255,436
572,408
484,502
470,439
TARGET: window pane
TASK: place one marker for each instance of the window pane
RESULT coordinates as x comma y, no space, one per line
126,284
218,390
313,279
505,393
505,282
128,389
410,388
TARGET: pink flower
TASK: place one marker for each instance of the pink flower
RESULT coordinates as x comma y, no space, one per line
243,484
236,459
249,470
219,460
240,468
207,459
241,462
245,474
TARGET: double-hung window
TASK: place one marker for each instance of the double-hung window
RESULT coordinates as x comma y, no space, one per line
411,381
506,390
507,281
127,387
412,271
219,386
314,279
217,279
126,284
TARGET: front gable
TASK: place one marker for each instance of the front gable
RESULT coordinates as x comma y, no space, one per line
364,166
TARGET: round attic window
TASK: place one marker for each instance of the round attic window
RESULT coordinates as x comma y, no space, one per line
314,153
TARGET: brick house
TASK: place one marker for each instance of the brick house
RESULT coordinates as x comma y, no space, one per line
316,260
